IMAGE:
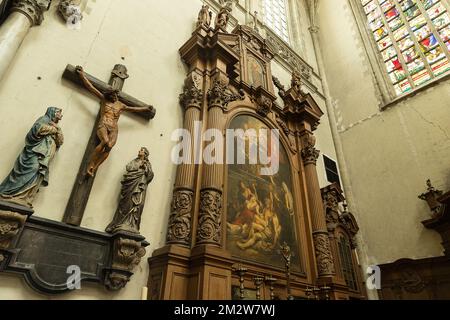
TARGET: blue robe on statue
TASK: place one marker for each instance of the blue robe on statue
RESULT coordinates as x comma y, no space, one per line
31,169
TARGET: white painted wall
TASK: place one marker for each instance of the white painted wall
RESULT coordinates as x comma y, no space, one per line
147,34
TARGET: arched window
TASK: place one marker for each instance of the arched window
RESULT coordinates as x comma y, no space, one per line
348,269
413,39
275,17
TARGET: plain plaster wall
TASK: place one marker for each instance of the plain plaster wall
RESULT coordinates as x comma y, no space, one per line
389,154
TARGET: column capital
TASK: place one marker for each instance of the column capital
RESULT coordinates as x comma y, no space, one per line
220,94
309,152
192,95
310,155
32,9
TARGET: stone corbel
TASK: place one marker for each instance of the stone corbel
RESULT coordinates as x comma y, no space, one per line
12,221
126,256
70,10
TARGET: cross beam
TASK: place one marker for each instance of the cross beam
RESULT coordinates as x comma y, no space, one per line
83,184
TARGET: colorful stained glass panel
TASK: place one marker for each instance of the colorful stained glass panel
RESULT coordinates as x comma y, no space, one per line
408,34
440,67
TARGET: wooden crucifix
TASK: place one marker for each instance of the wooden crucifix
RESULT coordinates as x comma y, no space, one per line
104,135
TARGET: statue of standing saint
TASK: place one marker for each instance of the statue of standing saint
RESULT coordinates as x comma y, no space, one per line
132,196
222,19
31,170
204,17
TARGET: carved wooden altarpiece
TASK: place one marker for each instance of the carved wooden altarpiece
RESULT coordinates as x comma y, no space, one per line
230,86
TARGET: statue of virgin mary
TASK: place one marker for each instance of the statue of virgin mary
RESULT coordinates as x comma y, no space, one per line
31,170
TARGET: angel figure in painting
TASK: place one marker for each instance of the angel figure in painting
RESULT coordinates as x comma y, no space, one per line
132,196
32,167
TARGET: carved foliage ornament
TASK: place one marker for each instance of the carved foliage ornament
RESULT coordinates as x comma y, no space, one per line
180,217
210,219
310,155
220,95
324,257
10,225
33,9
126,256
192,96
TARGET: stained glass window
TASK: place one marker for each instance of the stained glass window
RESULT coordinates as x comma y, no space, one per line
275,17
413,38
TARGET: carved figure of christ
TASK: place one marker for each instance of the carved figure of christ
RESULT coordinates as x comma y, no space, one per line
113,101
107,130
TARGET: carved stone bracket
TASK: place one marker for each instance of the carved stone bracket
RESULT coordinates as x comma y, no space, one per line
70,10
12,221
33,9
127,254
325,263
210,217
220,95
180,224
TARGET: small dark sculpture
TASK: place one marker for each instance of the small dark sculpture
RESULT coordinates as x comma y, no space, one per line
132,196
296,82
222,19
31,170
204,17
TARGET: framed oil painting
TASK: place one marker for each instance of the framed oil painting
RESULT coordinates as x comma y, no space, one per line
260,208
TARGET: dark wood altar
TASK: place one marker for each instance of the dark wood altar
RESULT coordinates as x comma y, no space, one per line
230,86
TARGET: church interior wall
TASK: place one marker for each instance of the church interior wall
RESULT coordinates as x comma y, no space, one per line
145,36
389,154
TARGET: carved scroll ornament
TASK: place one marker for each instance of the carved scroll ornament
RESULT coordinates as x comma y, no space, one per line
324,257
210,223
180,218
